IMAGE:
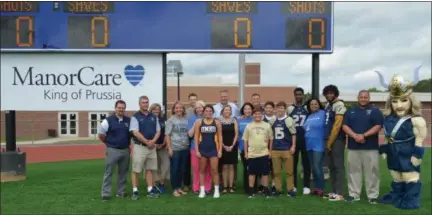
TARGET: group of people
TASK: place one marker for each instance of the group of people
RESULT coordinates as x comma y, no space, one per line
205,141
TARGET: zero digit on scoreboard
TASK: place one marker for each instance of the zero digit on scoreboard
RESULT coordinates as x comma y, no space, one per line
104,21
231,32
88,31
311,33
29,31
247,34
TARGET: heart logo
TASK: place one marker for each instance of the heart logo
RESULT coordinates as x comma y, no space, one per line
134,74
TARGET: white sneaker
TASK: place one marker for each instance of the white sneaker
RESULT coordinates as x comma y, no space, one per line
306,191
216,195
295,189
202,195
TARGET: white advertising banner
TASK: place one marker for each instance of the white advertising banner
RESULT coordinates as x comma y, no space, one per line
78,82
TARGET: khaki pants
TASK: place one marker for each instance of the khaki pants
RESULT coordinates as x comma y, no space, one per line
163,160
367,162
282,159
143,158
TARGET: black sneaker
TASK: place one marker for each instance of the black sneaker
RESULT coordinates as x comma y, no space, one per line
105,198
352,199
250,192
291,193
267,192
122,195
273,189
135,195
260,189
373,201
153,194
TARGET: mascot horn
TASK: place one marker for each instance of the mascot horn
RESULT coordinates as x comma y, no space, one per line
405,131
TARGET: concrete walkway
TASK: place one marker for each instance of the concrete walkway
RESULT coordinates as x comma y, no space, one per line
58,140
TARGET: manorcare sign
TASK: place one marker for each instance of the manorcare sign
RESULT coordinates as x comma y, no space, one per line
78,82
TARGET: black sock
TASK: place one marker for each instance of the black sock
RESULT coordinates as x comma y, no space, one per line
251,191
266,190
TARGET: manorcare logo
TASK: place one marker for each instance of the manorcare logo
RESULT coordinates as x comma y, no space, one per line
134,74
84,83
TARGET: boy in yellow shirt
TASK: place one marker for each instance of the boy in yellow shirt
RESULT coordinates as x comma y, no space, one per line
258,137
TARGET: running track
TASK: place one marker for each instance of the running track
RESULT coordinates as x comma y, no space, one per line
55,153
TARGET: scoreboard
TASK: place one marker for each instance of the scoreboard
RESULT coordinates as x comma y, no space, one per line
218,26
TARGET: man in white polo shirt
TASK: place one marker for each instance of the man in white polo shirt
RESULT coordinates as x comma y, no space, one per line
224,101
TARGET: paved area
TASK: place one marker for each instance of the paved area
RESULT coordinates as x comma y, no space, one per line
68,151
58,140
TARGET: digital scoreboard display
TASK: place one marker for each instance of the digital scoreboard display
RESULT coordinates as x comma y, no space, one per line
217,26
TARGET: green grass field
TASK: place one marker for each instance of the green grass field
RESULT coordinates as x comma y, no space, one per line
74,188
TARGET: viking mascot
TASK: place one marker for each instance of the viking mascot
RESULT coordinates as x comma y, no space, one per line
404,130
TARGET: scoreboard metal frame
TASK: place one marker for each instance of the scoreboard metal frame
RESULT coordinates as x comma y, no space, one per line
222,31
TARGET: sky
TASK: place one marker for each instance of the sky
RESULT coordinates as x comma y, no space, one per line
391,37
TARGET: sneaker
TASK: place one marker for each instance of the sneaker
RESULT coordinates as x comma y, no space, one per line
352,199
336,198
135,195
306,191
267,193
291,193
105,198
121,195
155,189
273,189
328,195
251,196
319,193
216,194
373,201
260,189
160,188
201,194
152,194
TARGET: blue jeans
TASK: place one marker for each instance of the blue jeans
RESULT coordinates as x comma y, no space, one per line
178,163
316,161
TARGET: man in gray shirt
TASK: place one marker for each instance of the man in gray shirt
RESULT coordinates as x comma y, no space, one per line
177,138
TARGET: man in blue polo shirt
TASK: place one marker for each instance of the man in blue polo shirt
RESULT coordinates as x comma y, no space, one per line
114,132
362,125
146,130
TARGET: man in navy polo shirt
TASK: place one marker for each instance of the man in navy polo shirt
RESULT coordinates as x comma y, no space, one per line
145,129
362,125
114,132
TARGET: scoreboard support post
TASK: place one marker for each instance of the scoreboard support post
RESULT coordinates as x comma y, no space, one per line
315,93
13,162
315,75
164,85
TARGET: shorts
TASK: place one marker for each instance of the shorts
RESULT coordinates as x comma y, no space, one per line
207,151
144,158
259,166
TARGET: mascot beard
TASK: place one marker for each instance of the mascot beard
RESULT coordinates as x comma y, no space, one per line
405,131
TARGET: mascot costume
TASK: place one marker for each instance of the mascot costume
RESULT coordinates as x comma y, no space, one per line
405,131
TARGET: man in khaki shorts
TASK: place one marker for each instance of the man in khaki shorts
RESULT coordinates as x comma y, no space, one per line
146,130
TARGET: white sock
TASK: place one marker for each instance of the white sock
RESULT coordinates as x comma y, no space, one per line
135,189
202,189
216,188
149,188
